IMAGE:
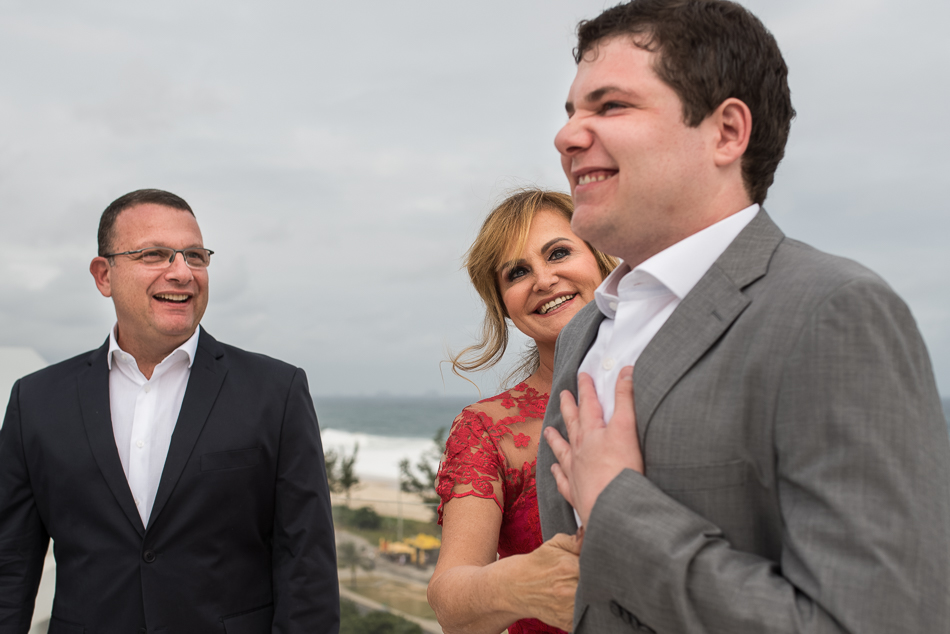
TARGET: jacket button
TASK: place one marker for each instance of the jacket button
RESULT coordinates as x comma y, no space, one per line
148,556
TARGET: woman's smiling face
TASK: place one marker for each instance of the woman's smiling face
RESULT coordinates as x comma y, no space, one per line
555,275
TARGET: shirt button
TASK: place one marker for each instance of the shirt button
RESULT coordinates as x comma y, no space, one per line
148,388
608,364
139,444
136,501
613,305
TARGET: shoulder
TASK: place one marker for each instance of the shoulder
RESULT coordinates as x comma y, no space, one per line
241,357
59,373
805,279
794,259
519,397
495,412
480,417
242,362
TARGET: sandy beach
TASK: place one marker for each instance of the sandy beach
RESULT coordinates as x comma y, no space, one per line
384,497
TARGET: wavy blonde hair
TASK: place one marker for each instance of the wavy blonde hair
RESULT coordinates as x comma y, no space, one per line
505,227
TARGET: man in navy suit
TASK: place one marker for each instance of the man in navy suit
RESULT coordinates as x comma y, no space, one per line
181,479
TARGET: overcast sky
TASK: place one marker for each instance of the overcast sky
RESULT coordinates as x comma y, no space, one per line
340,157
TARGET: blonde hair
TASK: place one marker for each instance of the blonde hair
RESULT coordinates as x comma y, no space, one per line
505,227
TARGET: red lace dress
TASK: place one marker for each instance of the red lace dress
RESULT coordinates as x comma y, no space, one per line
491,453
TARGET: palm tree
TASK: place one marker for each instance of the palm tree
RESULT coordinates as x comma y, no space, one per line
423,482
341,474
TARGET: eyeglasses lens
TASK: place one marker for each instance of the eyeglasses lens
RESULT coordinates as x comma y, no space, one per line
161,256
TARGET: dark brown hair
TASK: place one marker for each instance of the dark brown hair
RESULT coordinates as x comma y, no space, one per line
709,51
138,197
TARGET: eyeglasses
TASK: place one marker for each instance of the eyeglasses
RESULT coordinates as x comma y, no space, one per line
161,257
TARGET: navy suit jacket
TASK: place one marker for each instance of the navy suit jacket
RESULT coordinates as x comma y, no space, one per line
239,540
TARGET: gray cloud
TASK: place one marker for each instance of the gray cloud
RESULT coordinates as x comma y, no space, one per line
340,158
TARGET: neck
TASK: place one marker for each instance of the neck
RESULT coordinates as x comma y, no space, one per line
147,355
544,375
689,225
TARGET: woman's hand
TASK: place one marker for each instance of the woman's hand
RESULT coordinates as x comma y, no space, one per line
548,580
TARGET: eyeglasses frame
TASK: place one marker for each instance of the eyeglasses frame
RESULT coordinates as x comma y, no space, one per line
172,258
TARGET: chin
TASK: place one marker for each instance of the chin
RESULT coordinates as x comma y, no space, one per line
178,330
592,226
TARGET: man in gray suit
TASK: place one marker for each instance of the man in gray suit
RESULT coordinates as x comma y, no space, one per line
777,461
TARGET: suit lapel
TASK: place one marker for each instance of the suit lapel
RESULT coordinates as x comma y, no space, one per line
573,350
703,316
204,383
97,418
575,340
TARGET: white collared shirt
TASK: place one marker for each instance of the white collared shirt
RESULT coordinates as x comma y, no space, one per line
637,303
144,414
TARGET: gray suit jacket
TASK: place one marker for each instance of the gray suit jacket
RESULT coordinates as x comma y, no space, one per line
797,459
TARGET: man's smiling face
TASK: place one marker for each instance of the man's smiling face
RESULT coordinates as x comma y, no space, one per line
638,173
157,307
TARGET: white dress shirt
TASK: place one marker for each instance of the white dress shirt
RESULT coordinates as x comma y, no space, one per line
144,414
637,303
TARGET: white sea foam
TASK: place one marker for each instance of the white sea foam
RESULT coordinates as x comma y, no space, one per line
378,456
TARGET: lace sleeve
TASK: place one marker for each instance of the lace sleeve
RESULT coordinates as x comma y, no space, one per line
473,464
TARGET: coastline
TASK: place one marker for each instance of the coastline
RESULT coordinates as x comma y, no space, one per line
384,497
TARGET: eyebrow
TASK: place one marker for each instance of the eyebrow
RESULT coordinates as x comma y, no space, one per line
595,96
520,261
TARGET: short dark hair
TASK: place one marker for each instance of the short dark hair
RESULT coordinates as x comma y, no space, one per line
138,197
709,51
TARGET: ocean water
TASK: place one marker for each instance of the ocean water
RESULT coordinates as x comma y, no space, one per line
387,429
390,429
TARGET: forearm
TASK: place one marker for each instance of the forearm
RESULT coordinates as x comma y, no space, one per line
479,599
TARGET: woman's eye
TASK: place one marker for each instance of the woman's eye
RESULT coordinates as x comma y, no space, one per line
516,272
559,253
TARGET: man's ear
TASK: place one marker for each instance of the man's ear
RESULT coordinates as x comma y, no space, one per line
733,121
101,272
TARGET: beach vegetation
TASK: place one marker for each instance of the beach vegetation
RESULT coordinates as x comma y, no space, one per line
421,478
341,470
358,522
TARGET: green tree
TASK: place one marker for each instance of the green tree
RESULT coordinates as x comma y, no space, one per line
421,480
341,473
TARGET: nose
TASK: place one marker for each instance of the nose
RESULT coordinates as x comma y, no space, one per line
545,279
178,270
574,137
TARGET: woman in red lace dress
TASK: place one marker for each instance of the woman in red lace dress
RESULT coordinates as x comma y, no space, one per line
493,570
